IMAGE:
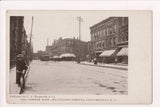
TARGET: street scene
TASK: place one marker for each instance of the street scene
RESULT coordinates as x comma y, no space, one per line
75,54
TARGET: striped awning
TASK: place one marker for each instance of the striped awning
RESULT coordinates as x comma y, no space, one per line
67,55
123,52
107,53
56,56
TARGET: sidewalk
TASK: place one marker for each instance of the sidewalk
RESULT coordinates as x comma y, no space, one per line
115,66
14,89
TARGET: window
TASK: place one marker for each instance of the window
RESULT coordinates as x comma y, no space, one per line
103,32
106,42
98,33
107,31
95,35
103,44
123,21
99,43
109,42
115,28
92,35
114,41
126,20
110,31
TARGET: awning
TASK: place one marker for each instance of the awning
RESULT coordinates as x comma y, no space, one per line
107,53
56,56
123,52
67,55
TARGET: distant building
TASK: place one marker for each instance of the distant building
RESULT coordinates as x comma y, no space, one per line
109,34
48,48
70,45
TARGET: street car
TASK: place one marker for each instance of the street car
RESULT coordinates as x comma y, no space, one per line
45,58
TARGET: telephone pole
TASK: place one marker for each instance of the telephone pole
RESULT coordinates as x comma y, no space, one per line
80,20
47,42
30,42
31,30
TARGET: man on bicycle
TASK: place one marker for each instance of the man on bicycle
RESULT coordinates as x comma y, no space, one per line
20,66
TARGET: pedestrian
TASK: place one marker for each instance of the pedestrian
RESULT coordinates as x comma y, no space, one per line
95,60
20,66
116,60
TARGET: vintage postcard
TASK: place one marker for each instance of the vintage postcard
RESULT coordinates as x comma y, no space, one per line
79,57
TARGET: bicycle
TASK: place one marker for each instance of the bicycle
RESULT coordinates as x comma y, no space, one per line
23,78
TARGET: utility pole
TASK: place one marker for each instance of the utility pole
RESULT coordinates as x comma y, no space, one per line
31,30
47,41
80,20
31,47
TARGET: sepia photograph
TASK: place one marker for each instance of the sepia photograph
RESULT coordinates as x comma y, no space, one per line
69,54
79,56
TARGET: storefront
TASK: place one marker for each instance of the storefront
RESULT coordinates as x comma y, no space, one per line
123,55
108,56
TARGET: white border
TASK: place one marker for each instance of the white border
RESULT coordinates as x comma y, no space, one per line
97,5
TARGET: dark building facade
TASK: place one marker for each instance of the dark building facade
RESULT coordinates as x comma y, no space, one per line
109,34
69,45
18,39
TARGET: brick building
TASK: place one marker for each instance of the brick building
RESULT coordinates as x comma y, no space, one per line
69,45
18,38
108,37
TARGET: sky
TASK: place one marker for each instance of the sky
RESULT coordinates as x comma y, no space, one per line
56,24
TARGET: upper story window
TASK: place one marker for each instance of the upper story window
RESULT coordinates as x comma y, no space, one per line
124,21
98,34
95,35
114,41
103,32
103,44
115,28
107,31
110,31
99,43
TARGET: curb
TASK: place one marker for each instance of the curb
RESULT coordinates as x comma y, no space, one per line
121,68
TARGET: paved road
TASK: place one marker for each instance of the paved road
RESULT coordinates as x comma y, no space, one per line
71,78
